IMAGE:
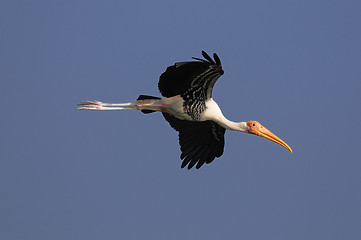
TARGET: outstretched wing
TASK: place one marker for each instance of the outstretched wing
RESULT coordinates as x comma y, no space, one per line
195,79
201,142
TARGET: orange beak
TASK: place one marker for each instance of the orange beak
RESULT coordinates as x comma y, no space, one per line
257,129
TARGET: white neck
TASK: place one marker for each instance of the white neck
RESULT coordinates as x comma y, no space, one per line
214,113
235,126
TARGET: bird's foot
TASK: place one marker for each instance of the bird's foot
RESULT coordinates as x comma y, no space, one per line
91,105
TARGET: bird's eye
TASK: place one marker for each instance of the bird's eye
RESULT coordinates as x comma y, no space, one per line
254,124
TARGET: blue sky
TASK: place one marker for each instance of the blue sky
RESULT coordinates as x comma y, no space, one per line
294,66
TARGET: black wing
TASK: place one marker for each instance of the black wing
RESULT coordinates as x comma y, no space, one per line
201,142
191,77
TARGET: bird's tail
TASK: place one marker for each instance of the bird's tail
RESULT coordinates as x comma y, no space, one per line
145,97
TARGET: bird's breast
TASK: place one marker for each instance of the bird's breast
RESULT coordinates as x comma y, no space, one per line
212,111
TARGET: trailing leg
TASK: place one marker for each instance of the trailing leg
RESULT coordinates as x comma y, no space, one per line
146,97
100,106
146,104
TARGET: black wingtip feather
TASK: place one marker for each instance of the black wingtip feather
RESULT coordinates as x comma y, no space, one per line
208,59
210,157
195,154
206,56
186,161
216,58
203,158
191,164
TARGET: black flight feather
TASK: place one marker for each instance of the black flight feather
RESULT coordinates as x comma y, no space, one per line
199,141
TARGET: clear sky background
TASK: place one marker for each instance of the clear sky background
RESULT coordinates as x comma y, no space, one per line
294,66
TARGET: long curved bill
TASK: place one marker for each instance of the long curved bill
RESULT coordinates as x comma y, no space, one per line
264,132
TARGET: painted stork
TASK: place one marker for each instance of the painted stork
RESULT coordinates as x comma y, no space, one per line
188,107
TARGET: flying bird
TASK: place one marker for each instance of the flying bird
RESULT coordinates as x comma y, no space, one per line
187,105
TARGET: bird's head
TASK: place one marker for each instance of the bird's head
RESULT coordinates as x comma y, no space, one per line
257,129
